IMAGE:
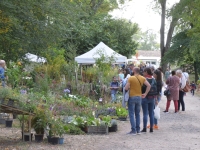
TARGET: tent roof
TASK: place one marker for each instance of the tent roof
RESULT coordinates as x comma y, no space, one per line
90,56
34,58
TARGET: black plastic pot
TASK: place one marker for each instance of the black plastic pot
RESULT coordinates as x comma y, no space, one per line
113,128
49,139
14,116
39,137
122,118
54,140
26,137
9,123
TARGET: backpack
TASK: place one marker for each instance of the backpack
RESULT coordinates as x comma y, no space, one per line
153,90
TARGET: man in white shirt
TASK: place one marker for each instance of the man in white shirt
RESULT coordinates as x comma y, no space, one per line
186,75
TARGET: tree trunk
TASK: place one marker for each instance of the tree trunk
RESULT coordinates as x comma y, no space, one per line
195,71
162,31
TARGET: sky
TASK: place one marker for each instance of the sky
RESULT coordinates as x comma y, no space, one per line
141,12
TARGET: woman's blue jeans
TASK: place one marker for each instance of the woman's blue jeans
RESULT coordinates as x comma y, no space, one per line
134,105
148,109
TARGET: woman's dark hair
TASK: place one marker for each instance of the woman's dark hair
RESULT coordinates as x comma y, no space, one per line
158,74
173,73
127,72
160,69
148,70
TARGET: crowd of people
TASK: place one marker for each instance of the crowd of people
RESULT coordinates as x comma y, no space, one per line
142,89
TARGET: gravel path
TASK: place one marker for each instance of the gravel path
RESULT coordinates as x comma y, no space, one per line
180,131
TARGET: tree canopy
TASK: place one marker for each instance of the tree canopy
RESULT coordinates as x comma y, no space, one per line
73,25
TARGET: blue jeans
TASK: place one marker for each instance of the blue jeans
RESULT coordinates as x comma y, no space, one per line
113,96
134,104
155,120
148,109
181,101
3,83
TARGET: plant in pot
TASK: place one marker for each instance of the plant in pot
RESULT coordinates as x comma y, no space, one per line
113,125
8,121
122,113
5,94
25,132
56,130
61,131
81,123
39,123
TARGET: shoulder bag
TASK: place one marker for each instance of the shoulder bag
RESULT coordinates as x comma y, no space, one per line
167,91
187,87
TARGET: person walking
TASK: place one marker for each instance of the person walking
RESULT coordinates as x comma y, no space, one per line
193,87
158,76
167,74
148,102
134,85
173,83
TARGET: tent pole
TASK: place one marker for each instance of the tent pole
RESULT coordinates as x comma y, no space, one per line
76,76
81,73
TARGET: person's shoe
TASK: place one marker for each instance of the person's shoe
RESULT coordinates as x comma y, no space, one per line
151,130
148,126
176,112
138,132
155,127
144,130
132,133
165,111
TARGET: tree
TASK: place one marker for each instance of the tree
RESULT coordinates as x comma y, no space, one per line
148,41
175,13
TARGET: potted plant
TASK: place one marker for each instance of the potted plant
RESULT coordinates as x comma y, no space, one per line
5,94
8,121
61,131
113,125
25,132
39,123
122,113
54,131
81,123
96,126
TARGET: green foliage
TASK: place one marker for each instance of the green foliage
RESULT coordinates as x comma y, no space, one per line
39,121
5,93
79,122
147,41
107,120
57,127
122,112
113,122
73,130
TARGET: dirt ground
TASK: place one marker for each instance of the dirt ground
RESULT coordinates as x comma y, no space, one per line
180,131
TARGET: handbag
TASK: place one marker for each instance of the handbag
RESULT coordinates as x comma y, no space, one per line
157,112
187,87
167,92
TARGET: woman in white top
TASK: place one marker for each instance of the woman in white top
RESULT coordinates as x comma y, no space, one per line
124,81
181,92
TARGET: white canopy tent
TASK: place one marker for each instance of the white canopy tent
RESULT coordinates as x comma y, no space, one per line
34,58
89,57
